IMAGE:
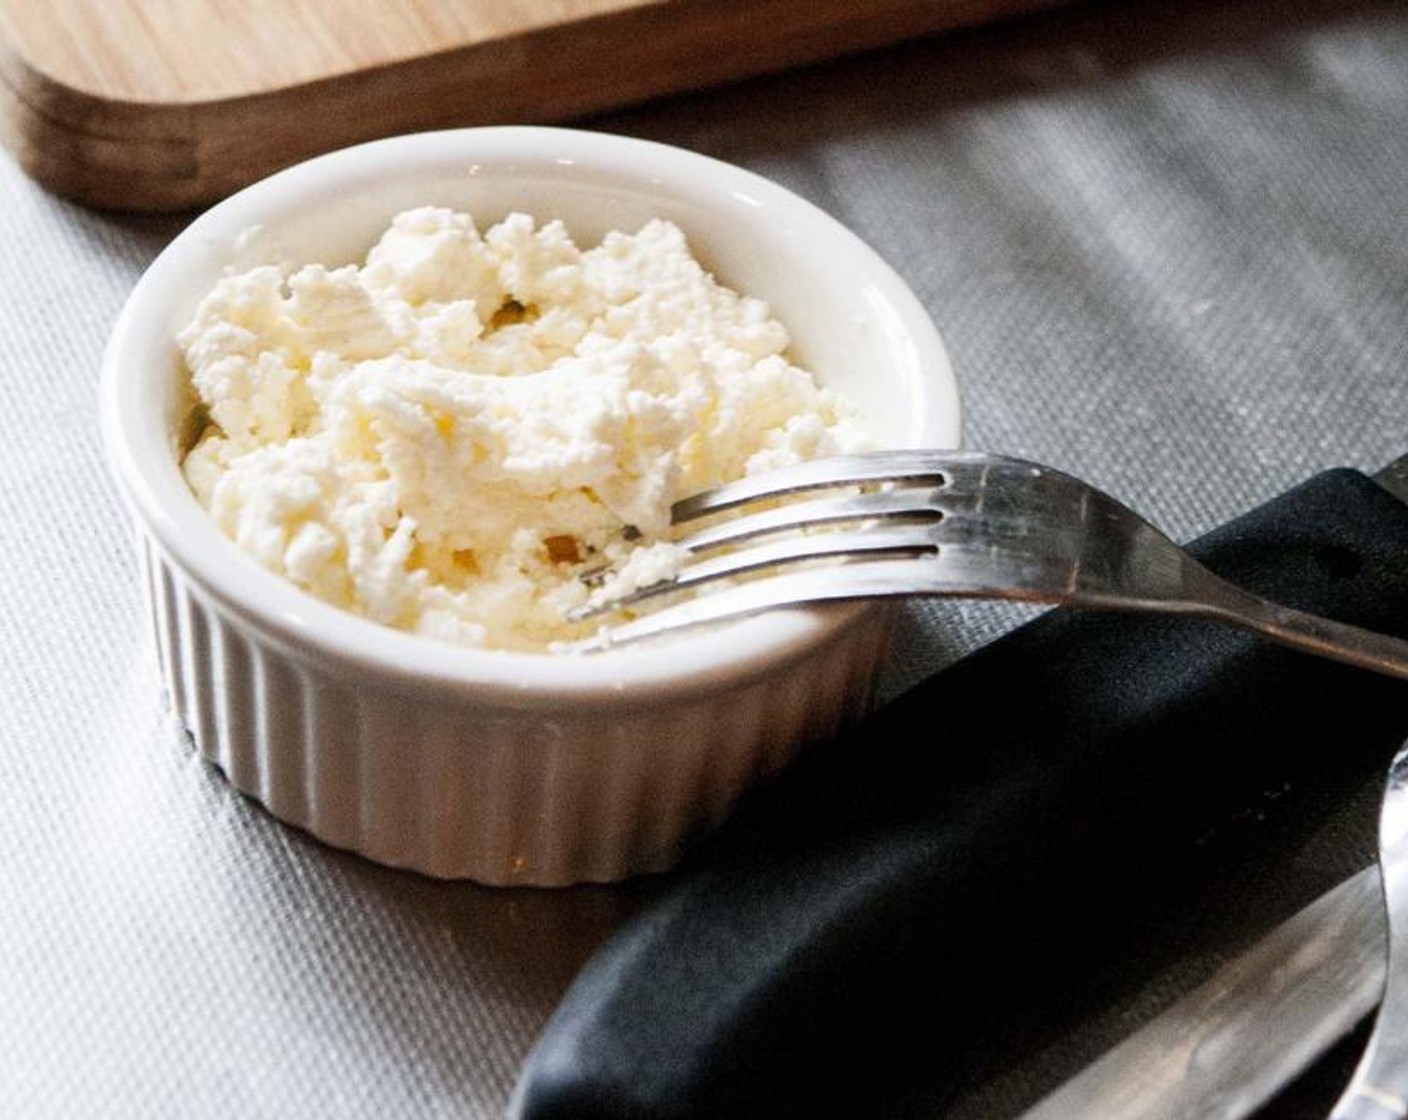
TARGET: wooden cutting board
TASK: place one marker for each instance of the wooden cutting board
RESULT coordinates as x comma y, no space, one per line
169,104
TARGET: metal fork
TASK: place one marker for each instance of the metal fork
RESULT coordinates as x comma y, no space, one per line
949,523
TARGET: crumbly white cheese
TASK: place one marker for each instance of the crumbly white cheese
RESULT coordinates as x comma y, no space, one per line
440,438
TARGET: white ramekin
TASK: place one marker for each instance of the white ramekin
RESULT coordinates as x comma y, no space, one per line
506,768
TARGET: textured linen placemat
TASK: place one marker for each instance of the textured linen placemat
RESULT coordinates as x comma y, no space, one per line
1168,248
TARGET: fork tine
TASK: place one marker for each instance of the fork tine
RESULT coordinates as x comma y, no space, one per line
910,541
958,570
862,580
899,504
835,472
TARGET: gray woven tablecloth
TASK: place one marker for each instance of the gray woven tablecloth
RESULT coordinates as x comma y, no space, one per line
1168,247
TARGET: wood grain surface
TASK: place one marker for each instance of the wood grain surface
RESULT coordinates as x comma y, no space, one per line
170,104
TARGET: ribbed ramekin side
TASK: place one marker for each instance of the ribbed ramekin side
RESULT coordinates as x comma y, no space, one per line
423,779
624,796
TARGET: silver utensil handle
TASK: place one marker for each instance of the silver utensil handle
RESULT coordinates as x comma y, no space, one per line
1361,1105
1312,633
1379,1088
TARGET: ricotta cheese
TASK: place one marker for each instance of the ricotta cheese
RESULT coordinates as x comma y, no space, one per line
442,438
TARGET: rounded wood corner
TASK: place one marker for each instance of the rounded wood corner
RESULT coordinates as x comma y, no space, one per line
105,154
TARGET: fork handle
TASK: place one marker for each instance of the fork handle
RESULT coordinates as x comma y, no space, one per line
1006,837
1303,630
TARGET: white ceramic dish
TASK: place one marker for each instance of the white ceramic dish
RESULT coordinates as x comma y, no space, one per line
506,768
